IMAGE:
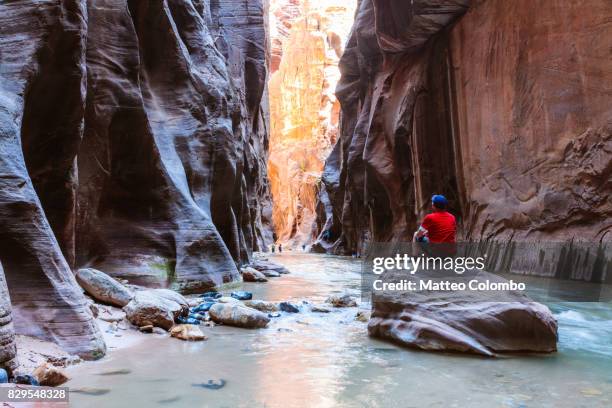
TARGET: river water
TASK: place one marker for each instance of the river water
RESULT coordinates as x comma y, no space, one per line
327,360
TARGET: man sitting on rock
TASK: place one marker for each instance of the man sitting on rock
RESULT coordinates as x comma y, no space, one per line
439,226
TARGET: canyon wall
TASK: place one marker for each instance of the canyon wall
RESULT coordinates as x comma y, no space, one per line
307,40
504,108
133,138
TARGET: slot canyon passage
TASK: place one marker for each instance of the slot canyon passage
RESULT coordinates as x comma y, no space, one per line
153,152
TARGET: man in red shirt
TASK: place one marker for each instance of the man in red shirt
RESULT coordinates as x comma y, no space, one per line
440,225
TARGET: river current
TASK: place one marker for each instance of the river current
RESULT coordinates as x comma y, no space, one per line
327,360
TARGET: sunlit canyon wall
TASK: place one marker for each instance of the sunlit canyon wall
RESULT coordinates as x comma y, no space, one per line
503,106
133,138
307,40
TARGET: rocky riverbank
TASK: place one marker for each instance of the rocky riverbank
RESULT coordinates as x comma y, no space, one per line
128,314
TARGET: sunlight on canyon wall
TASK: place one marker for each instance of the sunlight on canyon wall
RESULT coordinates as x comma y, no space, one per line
307,40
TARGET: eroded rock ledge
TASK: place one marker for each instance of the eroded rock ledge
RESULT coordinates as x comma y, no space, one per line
133,138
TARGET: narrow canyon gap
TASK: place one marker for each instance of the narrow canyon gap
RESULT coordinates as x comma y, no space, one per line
307,41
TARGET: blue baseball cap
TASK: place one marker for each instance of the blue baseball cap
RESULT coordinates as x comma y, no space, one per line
439,201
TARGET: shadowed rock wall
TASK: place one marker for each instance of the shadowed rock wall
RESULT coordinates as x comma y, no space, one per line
134,139
504,109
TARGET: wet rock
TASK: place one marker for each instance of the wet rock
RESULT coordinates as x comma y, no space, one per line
146,329
288,307
227,299
48,375
474,322
342,301
148,308
3,376
187,320
203,307
253,275
271,274
25,379
212,384
320,309
275,314
238,315
103,288
211,294
197,316
242,295
263,266
187,332
262,305
362,316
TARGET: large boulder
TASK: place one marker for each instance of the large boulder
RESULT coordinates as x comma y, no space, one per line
103,288
463,321
149,308
238,315
263,266
252,275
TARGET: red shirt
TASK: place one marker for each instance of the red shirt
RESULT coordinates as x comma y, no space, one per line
441,227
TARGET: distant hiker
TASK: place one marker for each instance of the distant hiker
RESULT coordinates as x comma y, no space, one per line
280,248
439,226
273,248
303,247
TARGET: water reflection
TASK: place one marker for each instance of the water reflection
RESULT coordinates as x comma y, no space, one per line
325,360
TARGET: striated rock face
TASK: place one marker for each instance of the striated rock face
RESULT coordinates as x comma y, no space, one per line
134,140
503,109
7,332
307,41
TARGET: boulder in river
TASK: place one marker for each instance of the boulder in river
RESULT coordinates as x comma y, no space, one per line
262,305
50,376
242,295
268,266
342,301
103,288
238,315
149,308
464,321
253,275
187,332
288,307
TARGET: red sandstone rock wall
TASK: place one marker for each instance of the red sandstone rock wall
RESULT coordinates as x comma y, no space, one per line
133,138
505,109
307,41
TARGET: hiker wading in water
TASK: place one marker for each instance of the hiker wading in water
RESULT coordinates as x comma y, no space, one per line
439,226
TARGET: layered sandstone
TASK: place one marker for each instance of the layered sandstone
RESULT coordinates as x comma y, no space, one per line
307,41
504,109
134,140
